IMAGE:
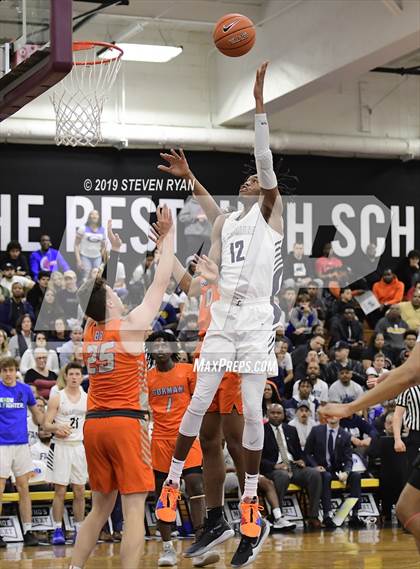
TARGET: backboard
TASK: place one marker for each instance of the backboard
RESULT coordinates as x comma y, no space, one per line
35,49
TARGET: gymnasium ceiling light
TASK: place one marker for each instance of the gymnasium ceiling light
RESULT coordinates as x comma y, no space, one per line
146,53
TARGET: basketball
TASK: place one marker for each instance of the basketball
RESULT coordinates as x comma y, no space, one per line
234,35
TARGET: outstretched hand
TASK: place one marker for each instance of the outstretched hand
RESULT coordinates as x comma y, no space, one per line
207,269
177,163
259,83
114,238
163,225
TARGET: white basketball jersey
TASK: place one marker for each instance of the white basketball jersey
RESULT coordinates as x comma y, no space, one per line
72,414
252,264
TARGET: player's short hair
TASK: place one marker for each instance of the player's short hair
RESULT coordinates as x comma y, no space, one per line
167,336
8,362
92,298
410,333
73,365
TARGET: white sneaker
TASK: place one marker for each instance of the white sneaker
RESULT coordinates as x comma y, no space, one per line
167,558
208,558
283,524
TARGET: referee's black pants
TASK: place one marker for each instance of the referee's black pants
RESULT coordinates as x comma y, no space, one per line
412,444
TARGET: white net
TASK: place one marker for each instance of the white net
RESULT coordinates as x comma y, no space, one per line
79,99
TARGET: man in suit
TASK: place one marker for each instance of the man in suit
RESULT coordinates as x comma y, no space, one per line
328,449
282,461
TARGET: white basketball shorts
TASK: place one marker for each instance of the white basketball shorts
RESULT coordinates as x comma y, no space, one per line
15,459
66,464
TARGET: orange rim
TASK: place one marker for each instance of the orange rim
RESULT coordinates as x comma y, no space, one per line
85,45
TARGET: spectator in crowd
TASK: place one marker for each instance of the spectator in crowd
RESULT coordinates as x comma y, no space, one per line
316,343
283,462
284,378
408,270
281,337
376,345
57,281
197,227
393,327
188,334
410,311
49,312
369,267
345,390
302,392
360,431
341,359
302,318
329,266
40,375
15,256
33,429
59,335
390,467
328,449
4,293
388,290
4,345
410,339
271,395
319,386
47,258
67,297
10,278
316,300
414,288
13,308
346,328
376,370
15,456
303,422
407,411
69,347
23,338
346,300
287,301
120,286
28,359
297,268
36,295
90,244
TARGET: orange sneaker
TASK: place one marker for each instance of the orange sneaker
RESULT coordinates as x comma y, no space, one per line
166,505
251,520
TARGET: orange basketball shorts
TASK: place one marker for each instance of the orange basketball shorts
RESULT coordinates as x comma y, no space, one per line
163,451
118,455
228,396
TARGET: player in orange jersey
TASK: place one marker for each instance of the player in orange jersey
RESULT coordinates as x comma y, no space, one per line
115,434
171,386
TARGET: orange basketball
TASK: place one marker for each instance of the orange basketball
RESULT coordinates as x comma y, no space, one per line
234,35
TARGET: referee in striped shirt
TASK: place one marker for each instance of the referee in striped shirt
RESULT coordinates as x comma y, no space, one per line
408,410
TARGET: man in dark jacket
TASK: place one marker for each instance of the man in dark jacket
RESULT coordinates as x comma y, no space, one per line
328,449
13,308
346,328
342,360
283,462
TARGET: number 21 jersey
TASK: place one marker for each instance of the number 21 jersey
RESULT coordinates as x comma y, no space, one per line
73,415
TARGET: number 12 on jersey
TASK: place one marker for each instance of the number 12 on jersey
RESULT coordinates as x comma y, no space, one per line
236,250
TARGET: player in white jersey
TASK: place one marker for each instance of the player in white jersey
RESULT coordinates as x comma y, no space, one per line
246,245
388,386
66,463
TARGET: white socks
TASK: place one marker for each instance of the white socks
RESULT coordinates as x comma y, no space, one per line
175,472
276,513
251,485
168,546
27,527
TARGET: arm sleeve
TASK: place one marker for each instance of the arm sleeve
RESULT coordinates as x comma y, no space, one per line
263,156
34,265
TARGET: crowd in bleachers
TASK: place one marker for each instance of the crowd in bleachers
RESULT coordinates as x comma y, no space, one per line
329,346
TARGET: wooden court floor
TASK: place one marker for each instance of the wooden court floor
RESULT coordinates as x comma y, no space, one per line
342,549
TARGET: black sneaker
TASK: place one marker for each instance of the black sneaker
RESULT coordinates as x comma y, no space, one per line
249,548
329,524
29,539
209,536
2,542
356,523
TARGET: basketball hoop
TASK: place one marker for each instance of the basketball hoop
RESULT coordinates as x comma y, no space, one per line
79,99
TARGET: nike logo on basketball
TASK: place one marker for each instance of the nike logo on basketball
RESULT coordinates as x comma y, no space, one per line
227,27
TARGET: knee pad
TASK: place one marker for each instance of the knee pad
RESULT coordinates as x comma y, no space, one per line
253,437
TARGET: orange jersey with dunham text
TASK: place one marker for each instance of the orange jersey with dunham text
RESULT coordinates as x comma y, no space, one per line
117,379
170,393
